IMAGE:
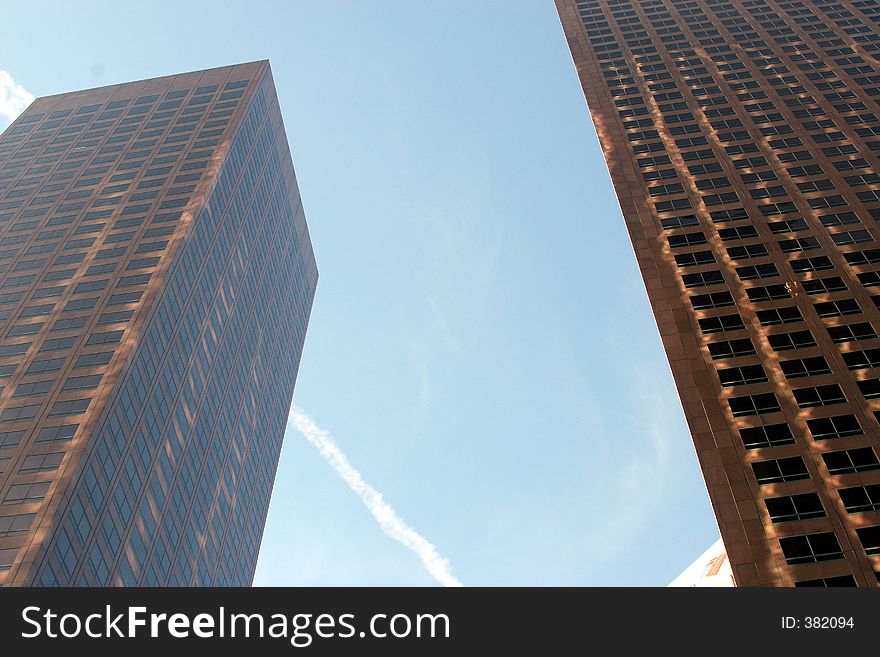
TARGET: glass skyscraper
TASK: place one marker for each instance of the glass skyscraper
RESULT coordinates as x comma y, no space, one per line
742,138
156,280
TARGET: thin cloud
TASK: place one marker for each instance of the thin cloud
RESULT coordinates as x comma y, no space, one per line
392,524
13,98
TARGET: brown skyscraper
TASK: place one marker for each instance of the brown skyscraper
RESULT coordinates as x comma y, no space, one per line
742,138
156,279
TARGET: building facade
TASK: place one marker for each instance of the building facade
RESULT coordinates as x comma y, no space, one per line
742,138
710,570
156,280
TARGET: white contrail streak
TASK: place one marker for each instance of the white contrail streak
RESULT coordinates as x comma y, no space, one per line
392,524
13,98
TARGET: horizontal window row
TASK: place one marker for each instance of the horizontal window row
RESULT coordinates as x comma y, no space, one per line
761,403
792,468
824,546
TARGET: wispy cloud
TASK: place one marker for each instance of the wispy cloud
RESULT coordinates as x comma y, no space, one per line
13,98
392,524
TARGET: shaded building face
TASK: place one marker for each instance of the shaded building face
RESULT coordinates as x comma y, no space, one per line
156,279
742,139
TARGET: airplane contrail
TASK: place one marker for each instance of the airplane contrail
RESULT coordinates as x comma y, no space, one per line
392,524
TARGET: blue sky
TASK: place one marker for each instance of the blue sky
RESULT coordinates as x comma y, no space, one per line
481,347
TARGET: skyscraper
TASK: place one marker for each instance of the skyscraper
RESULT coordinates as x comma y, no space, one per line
742,138
156,280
